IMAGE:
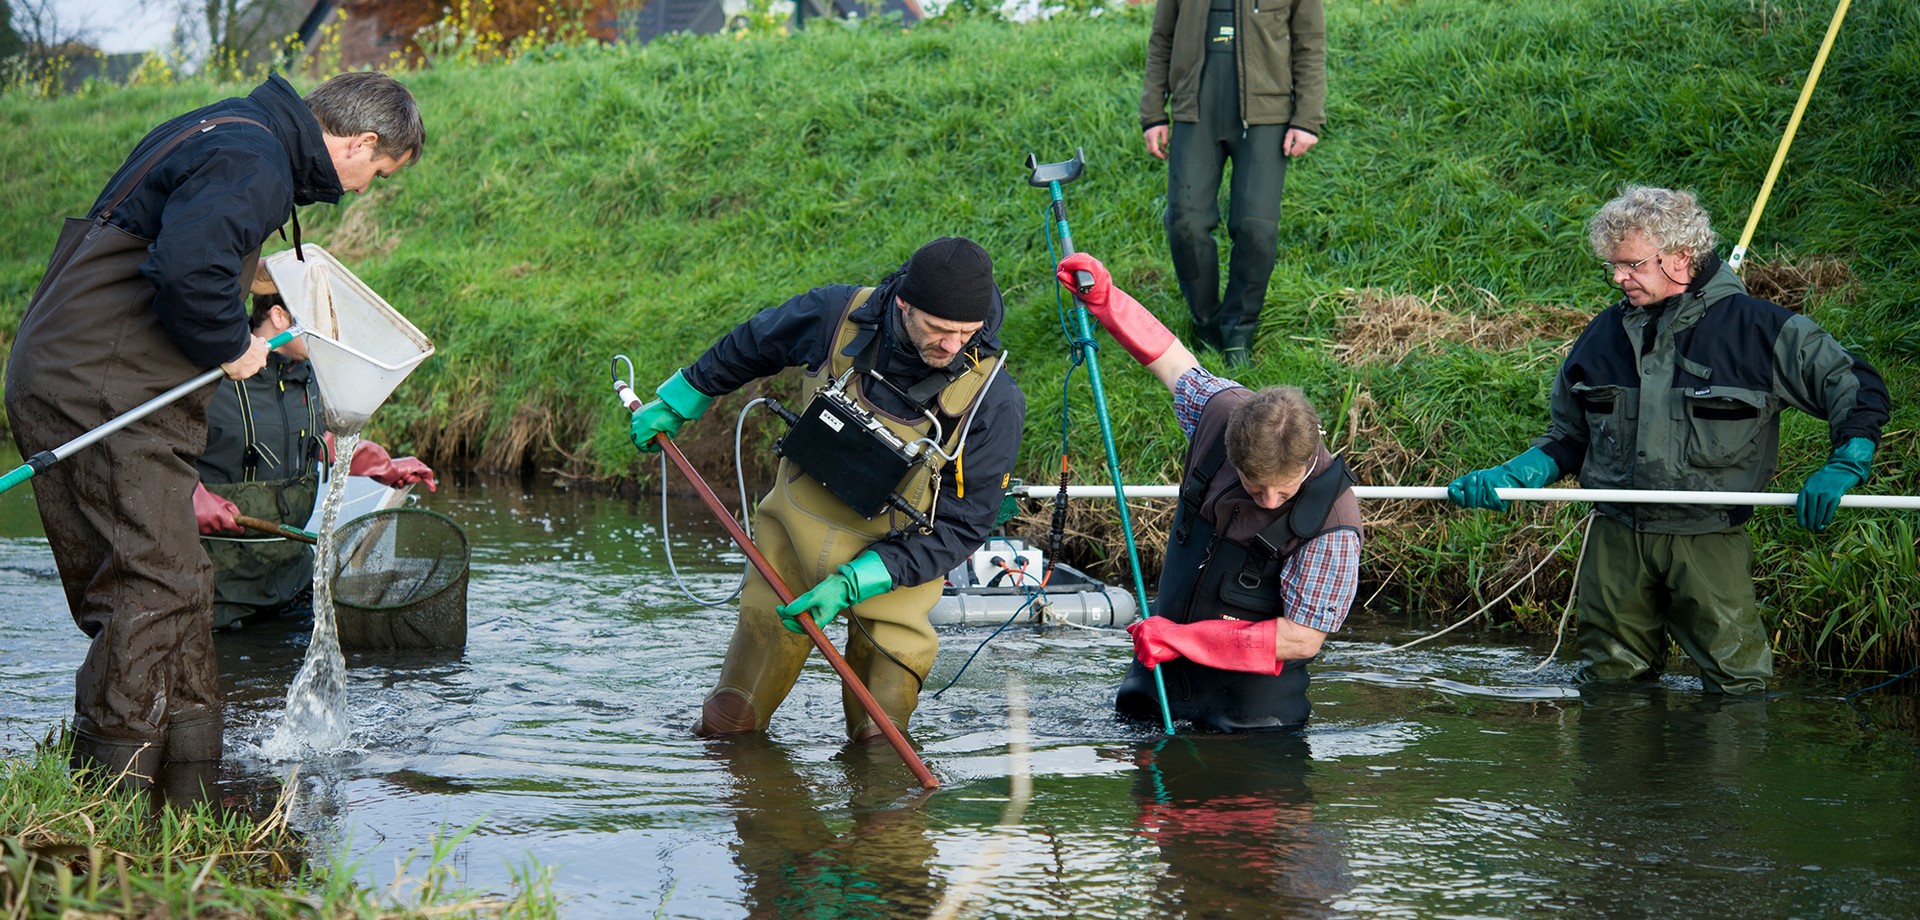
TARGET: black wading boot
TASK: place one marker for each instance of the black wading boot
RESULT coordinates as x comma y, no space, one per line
134,762
1238,346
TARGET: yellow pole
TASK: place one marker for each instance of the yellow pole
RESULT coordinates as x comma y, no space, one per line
1786,140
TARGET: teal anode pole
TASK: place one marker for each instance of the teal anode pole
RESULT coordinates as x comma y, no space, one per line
46,458
1051,176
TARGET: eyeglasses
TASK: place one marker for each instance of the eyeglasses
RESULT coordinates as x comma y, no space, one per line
1611,268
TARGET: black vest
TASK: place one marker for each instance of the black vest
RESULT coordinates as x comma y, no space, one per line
1206,575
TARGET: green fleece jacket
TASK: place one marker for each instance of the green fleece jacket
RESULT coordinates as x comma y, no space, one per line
1281,54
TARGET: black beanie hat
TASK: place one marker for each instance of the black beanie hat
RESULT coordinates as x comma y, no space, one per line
952,278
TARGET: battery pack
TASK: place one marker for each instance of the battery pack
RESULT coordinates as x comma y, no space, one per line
854,455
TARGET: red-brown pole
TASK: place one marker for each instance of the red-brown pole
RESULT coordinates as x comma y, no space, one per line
781,591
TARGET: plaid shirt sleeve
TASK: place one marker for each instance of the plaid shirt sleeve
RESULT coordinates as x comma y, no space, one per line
1190,395
1320,580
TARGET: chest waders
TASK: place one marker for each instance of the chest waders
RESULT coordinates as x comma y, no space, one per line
1231,569
806,532
265,574
119,516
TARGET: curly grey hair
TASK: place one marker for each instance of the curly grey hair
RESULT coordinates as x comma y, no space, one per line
1672,220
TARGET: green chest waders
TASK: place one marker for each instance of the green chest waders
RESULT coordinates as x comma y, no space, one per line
263,452
806,532
262,574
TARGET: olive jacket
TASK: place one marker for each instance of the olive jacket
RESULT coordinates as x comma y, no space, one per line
1280,53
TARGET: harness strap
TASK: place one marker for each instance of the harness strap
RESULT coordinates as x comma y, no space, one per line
1310,508
154,158
1193,489
250,456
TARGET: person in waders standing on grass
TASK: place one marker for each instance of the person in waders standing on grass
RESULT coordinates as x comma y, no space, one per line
1239,80
1263,560
919,347
1679,385
143,294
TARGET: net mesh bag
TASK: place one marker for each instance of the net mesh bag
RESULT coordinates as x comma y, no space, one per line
400,581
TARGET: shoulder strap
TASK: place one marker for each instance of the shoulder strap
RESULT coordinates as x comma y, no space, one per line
848,334
1193,488
1310,508
153,159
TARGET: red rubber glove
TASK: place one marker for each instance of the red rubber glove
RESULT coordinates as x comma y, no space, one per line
373,462
1230,645
213,513
1138,331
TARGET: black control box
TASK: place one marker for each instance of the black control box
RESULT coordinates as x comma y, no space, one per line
854,455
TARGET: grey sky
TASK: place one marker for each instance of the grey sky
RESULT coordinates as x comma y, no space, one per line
118,25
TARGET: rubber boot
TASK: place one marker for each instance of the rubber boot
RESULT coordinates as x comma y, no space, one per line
194,735
898,693
1237,346
1205,334
894,687
726,712
132,762
763,661
229,616
184,784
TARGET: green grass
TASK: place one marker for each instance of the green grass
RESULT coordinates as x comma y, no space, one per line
644,200
78,846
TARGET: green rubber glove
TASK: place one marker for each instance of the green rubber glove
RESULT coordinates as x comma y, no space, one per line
1531,470
865,577
678,404
1820,497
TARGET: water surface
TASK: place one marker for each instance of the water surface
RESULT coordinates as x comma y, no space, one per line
1449,781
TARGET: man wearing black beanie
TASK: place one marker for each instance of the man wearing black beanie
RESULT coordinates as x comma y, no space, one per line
920,353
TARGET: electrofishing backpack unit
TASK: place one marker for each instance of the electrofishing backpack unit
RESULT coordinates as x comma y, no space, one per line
858,457
850,452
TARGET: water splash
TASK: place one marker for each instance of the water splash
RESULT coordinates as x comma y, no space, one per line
316,717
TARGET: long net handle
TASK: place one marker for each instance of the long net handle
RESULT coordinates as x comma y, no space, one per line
1786,140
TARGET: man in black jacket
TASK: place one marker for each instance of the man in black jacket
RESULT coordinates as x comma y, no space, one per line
920,355
143,294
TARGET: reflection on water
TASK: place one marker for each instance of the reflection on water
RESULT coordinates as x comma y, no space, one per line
1452,780
1234,823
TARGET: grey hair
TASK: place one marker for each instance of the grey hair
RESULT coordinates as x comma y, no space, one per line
1672,220
353,103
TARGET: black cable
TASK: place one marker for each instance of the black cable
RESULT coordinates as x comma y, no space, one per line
1888,682
983,643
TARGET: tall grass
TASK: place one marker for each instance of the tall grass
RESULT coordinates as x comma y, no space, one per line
645,200
85,846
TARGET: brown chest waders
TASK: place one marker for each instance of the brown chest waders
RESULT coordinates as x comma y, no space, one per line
119,516
806,532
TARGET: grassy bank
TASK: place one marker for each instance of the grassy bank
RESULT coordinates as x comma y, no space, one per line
79,847
645,200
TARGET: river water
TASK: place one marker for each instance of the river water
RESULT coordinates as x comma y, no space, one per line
1445,781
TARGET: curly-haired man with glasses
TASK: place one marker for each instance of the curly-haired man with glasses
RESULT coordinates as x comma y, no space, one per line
1679,385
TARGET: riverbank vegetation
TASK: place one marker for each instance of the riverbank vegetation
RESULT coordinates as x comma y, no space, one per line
76,846
578,201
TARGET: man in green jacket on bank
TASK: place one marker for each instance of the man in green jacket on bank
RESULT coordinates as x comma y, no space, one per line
1240,80
1679,386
